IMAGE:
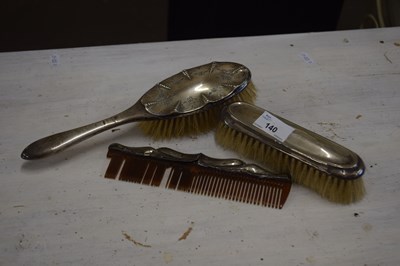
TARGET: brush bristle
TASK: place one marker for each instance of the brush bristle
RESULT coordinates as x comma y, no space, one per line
192,125
330,187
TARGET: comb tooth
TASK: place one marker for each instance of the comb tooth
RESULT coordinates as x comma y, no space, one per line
250,193
214,191
221,188
266,196
225,189
247,193
236,190
175,177
260,196
210,181
197,184
263,195
204,184
200,184
182,176
208,186
148,176
279,198
211,188
165,182
257,196
185,182
243,192
276,201
194,183
273,197
231,189
114,167
158,175
213,183
130,171
170,177
282,199
162,181
254,194
216,187
279,202
218,191
243,186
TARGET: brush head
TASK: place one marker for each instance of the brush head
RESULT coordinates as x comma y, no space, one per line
336,179
198,123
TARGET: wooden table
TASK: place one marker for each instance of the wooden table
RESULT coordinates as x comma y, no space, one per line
60,210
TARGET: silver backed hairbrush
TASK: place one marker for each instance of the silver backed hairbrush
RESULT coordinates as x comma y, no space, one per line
284,147
184,104
230,179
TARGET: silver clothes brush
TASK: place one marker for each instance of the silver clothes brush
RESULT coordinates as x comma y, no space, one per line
284,147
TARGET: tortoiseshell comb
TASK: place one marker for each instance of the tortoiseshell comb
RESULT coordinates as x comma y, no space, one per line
231,179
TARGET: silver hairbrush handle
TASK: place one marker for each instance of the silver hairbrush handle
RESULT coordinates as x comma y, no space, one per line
58,142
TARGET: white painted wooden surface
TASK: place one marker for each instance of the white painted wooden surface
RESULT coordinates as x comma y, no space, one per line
61,211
